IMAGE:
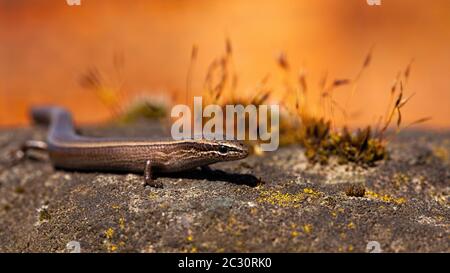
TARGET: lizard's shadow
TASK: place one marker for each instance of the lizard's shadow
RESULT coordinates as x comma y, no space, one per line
215,175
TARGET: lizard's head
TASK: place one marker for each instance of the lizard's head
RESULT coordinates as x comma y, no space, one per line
225,150
231,149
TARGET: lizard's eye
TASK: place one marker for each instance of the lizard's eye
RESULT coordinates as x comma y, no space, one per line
223,149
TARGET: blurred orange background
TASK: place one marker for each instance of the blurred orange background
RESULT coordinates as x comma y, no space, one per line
46,45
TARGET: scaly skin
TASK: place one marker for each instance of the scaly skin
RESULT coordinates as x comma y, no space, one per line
70,151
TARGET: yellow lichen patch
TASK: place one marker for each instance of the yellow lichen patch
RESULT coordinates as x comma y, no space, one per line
281,199
109,233
440,197
335,213
116,207
311,191
400,179
385,198
307,228
152,195
351,225
231,226
189,238
112,247
350,248
122,223
294,234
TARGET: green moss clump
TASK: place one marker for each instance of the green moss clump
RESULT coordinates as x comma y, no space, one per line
321,143
19,190
355,190
143,109
44,215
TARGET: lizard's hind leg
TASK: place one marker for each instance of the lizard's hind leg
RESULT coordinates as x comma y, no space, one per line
21,153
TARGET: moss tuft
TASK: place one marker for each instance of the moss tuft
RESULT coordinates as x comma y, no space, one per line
355,190
321,143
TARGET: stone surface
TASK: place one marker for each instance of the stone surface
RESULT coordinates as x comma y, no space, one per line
277,203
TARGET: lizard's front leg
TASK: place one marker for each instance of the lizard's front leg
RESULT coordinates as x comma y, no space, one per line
148,176
206,169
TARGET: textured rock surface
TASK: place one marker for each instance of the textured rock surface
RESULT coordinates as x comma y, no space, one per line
278,203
